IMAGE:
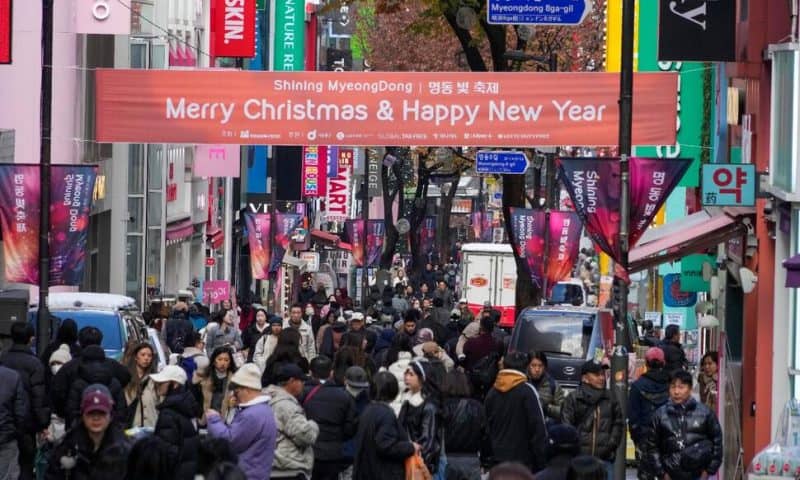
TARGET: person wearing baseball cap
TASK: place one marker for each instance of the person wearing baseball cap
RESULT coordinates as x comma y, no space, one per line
647,393
596,414
175,426
252,432
293,457
96,447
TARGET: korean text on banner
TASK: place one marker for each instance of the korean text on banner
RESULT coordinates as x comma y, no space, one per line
19,217
375,234
355,230
315,175
215,291
5,31
285,223
71,189
258,228
527,227
564,243
387,108
233,28
427,235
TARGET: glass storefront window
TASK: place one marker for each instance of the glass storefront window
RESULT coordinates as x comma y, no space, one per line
135,214
133,264
136,169
155,160
154,209
153,259
138,55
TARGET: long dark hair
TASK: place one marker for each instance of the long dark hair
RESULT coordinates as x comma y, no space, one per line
133,388
216,353
400,343
350,354
287,350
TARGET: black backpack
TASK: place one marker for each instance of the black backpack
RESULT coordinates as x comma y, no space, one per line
483,374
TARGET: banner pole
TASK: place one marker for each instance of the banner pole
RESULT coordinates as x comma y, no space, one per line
619,361
45,122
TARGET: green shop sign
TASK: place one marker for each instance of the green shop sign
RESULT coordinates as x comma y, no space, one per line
691,98
692,273
289,36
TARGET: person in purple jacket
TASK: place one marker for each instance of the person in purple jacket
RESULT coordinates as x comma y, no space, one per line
252,432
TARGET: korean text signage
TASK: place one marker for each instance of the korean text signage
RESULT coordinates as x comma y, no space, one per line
315,175
338,200
728,185
109,17
233,28
538,12
215,291
700,30
71,189
490,161
386,108
289,36
5,31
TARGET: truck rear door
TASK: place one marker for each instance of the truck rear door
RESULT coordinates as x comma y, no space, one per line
505,288
477,279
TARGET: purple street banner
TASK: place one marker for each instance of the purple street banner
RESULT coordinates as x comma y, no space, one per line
482,226
71,191
19,218
355,231
564,243
476,219
652,180
527,239
258,228
285,223
594,187
375,233
427,235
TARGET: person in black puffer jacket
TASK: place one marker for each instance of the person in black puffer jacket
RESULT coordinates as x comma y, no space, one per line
175,425
465,438
420,414
595,414
646,395
685,440
674,356
90,339
92,369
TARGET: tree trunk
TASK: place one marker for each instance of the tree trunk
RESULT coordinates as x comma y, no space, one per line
392,235
514,196
444,233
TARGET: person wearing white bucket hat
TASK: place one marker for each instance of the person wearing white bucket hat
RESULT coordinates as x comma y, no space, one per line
177,416
253,431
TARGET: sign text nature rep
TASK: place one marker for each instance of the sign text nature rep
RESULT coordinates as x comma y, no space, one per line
397,108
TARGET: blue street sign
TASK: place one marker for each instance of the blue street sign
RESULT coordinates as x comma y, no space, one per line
537,12
499,161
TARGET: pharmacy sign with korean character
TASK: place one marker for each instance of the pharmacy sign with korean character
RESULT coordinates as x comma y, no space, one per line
729,185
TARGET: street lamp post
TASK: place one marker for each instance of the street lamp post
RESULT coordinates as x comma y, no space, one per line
619,361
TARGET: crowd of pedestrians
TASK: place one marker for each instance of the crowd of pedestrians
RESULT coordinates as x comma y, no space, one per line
326,392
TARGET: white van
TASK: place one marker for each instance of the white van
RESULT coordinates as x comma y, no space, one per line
489,273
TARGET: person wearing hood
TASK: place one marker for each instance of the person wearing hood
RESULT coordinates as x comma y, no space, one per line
67,335
59,358
178,412
647,394
420,414
516,423
595,413
563,444
294,455
252,432
551,395
397,361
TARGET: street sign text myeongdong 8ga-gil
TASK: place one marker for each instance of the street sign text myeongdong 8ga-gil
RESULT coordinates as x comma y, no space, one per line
380,108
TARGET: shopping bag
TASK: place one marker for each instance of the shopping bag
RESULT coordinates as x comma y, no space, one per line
416,469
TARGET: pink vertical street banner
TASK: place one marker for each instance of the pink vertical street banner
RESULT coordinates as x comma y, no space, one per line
337,202
315,171
71,191
217,161
355,231
285,223
19,217
594,187
564,244
258,230
527,239
376,230
215,291
427,235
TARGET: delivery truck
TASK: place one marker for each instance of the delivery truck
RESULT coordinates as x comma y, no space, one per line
489,274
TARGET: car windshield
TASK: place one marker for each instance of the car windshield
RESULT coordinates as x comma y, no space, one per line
106,322
567,333
566,293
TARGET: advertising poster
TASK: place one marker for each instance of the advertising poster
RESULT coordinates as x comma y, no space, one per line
564,245
355,231
71,189
285,223
527,227
19,209
375,233
377,108
258,229
427,236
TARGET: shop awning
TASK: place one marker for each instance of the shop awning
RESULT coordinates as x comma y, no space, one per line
179,231
215,237
697,232
792,266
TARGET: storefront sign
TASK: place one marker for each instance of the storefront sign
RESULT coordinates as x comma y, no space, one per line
374,180
654,317
729,185
311,259
288,37
315,178
700,30
692,273
338,60
386,108
5,31
673,296
215,291
338,199
673,318
217,161
233,28
108,17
